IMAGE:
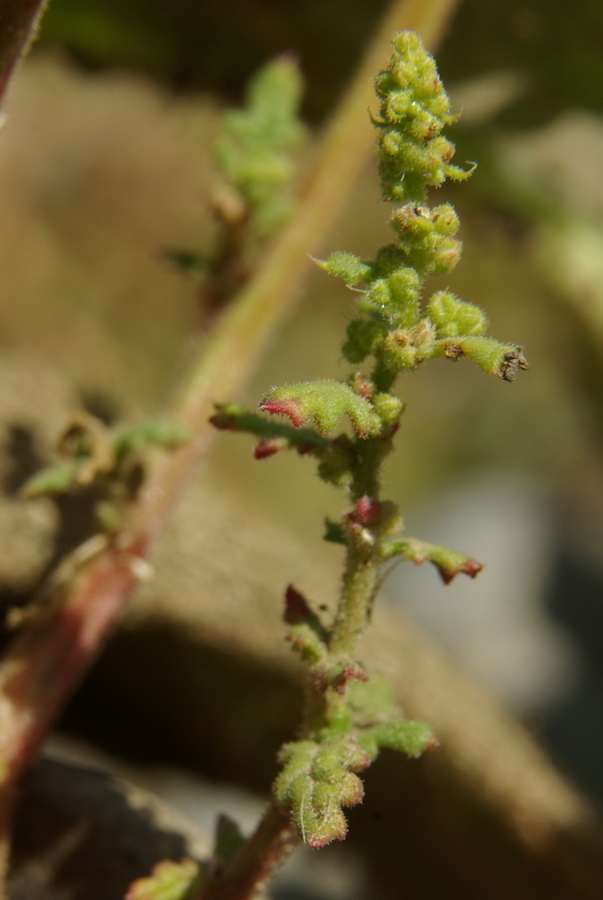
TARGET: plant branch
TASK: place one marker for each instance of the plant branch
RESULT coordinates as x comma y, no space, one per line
363,563
42,666
257,860
19,21
360,583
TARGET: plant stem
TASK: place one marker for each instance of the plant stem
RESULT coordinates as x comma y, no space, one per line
255,863
42,665
18,27
49,654
360,583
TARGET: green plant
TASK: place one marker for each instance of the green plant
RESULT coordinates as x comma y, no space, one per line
350,715
254,151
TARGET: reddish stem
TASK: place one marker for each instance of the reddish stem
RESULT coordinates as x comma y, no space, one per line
257,860
18,26
44,664
47,660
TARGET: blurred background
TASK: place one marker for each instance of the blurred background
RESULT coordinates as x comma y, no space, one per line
106,160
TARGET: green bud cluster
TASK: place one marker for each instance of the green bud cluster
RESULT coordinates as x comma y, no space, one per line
319,779
393,328
452,317
414,109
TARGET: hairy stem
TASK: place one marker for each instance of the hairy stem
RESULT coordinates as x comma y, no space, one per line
360,582
255,863
18,26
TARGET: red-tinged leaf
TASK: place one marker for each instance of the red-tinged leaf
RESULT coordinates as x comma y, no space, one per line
268,447
296,607
469,566
290,408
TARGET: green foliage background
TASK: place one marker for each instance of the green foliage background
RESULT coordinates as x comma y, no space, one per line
218,45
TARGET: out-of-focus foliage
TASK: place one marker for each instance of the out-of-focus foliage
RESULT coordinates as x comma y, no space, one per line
557,48
255,143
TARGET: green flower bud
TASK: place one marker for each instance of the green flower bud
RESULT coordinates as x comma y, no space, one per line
453,317
425,237
388,407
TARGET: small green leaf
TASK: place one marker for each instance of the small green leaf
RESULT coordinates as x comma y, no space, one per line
379,722
372,700
169,881
165,433
449,563
325,402
363,336
52,480
337,461
334,532
229,840
232,417
404,735
495,358
348,266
